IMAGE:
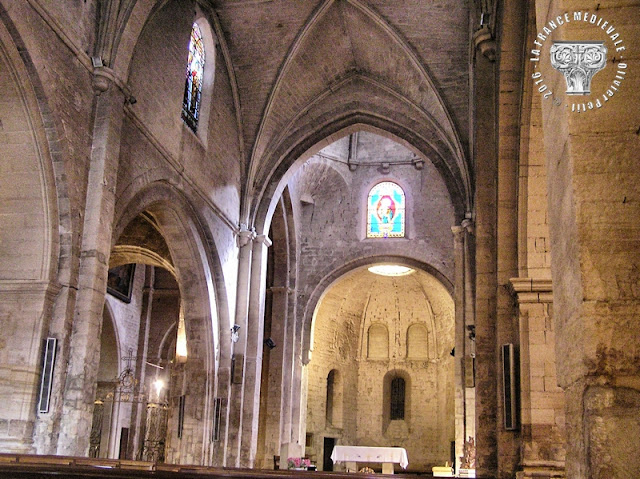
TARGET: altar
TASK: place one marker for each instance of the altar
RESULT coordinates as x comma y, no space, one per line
351,455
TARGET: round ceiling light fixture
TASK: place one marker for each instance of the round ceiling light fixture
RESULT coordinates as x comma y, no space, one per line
391,270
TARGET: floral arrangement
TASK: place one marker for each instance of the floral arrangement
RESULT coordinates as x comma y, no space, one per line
297,462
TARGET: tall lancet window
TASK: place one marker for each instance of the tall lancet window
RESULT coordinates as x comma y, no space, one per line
385,211
193,82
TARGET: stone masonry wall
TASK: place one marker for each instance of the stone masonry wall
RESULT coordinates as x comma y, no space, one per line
343,343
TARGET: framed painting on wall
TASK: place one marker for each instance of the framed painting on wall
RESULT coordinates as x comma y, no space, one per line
120,281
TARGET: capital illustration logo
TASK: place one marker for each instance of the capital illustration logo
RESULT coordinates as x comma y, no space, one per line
579,62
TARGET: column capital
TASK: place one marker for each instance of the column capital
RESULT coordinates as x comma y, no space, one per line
485,42
465,226
264,239
468,225
531,290
245,235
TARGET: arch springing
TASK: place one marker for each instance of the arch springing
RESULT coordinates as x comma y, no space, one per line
191,102
386,211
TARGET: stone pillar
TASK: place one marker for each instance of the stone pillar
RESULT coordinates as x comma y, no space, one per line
141,367
287,372
232,447
541,399
459,300
464,339
253,353
82,370
277,376
486,252
594,211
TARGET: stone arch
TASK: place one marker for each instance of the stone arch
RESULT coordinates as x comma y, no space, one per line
109,316
387,399
335,395
309,309
377,341
175,216
36,237
31,168
202,294
418,345
290,105
308,139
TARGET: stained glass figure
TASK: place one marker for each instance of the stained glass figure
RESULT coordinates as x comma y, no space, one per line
193,82
385,211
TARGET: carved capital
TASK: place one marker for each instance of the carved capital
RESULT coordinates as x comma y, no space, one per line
245,235
468,226
485,43
102,79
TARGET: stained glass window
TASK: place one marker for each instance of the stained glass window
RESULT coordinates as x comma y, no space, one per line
385,211
193,82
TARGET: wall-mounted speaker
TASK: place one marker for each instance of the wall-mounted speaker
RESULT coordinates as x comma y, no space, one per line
217,418
510,387
181,406
46,381
237,368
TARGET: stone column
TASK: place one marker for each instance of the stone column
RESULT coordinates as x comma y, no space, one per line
486,248
80,386
287,372
234,428
459,302
253,353
464,339
541,399
141,367
277,376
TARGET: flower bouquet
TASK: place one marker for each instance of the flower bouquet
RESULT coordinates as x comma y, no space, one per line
298,463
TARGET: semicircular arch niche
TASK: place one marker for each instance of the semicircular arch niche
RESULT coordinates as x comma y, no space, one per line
364,325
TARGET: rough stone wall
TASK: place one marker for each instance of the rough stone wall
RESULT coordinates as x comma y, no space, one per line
33,133
332,227
158,147
594,231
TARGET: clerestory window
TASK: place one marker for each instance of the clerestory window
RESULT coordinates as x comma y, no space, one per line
191,104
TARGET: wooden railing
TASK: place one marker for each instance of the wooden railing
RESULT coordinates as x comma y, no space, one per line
26,465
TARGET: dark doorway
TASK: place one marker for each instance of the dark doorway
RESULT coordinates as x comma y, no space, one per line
124,443
327,463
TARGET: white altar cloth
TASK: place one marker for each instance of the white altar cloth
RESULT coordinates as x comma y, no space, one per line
370,454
